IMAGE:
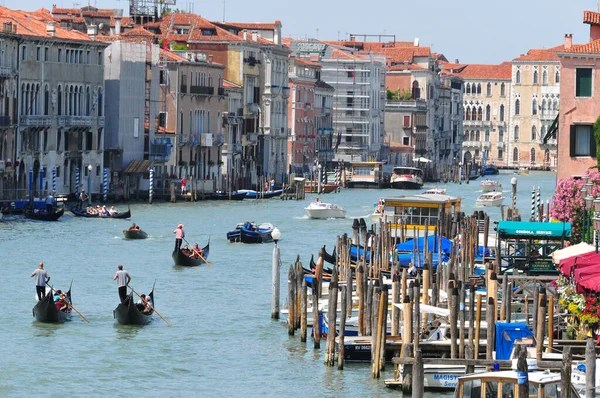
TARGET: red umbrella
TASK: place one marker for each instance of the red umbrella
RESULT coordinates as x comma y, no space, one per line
566,265
591,282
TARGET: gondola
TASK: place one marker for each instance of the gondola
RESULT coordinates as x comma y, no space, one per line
313,266
128,313
45,310
330,258
251,194
83,213
43,215
225,196
134,234
184,257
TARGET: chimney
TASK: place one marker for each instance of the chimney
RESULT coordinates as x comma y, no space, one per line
416,42
118,15
254,36
277,33
245,35
456,61
210,58
568,40
51,29
92,31
352,38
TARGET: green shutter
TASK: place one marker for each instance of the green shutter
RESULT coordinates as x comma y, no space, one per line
583,82
572,141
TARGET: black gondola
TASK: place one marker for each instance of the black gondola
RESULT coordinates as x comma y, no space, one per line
225,196
45,310
83,213
43,215
313,266
330,258
134,234
186,259
128,312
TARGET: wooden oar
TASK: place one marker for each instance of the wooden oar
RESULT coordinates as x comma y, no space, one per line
198,253
69,304
150,305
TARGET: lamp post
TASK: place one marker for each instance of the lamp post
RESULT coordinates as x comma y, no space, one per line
589,200
583,194
276,235
89,168
596,221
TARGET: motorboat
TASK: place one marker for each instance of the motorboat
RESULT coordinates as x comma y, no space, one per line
507,383
250,232
488,185
490,199
378,212
252,194
435,191
407,178
321,210
521,170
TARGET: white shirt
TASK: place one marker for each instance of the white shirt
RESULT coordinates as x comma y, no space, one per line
122,277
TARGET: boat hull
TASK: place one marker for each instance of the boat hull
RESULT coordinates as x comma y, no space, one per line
407,184
250,194
314,188
45,311
490,187
83,213
255,236
180,258
489,203
44,216
127,312
322,214
134,234
225,196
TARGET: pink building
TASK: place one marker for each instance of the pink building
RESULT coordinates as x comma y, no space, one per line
579,101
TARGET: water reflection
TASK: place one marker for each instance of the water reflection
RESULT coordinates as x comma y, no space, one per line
45,329
127,331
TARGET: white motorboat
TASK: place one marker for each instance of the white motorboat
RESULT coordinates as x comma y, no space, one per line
488,185
435,191
321,210
490,199
407,178
542,384
378,212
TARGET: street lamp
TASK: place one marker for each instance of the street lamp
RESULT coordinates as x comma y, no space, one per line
584,194
596,221
89,184
276,235
589,200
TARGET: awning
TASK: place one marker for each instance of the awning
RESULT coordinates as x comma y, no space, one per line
575,250
551,131
138,166
536,230
566,265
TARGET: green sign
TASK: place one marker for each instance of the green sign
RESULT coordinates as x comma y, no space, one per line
542,266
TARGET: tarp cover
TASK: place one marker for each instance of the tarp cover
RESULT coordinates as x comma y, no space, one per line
574,250
506,334
432,244
528,229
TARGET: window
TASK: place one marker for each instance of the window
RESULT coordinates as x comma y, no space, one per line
545,75
478,88
543,132
516,133
99,57
515,155
583,82
500,135
38,54
58,137
416,91
535,76
46,100
533,133
97,171
557,76
477,136
24,53
46,53
487,135
502,90
532,155
59,56
99,139
88,140
136,126
502,112
163,77
88,59
500,154
406,123
534,107
518,77
99,100
60,100
488,112
57,171
582,141
480,113
468,88
517,107
488,90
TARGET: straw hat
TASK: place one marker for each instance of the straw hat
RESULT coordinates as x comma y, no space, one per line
180,226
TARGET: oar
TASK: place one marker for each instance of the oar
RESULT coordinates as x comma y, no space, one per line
198,253
153,309
70,305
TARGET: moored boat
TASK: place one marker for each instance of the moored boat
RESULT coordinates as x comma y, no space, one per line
188,258
435,191
43,215
251,194
235,195
407,178
313,187
488,185
490,199
46,310
321,210
130,313
133,233
507,383
490,169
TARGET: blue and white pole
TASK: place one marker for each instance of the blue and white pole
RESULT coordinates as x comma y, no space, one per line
54,180
105,184
151,186
76,180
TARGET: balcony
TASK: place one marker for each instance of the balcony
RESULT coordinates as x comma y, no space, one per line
7,72
420,105
221,91
548,116
477,123
501,123
251,61
472,144
183,88
160,149
75,121
35,121
236,147
486,145
5,121
202,90
500,145
207,140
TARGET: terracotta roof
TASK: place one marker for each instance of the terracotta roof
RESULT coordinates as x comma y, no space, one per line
306,62
591,17
502,71
252,25
171,56
33,23
592,47
138,32
286,42
403,66
541,54
370,45
341,54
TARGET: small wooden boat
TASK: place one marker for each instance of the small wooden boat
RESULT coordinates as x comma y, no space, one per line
252,233
490,199
45,310
507,383
43,215
83,213
225,195
313,187
321,210
188,258
128,312
134,234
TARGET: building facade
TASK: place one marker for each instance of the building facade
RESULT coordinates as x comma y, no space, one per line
9,44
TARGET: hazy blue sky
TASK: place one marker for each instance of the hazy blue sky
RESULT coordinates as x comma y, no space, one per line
474,31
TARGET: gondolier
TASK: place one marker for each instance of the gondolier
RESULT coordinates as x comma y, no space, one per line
122,277
82,198
42,278
179,235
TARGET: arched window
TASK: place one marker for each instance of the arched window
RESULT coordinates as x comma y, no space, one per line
517,107
543,132
515,155
23,99
545,77
87,101
500,135
466,136
535,77
468,113
472,135
477,136
516,135
557,76
487,135
518,77
502,112
478,88
100,102
60,100
488,90
534,107
480,113
547,156
488,112
46,100
416,91
544,106
502,90
532,155
555,105
533,133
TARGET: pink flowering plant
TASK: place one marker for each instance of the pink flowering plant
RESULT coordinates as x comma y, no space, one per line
568,203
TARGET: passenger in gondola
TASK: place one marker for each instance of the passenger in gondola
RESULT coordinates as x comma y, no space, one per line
147,307
112,211
104,211
141,304
57,294
197,251
62,304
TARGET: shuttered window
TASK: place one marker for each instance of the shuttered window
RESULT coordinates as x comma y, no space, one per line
582,141
583,82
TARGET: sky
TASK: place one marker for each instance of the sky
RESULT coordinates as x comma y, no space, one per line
473,31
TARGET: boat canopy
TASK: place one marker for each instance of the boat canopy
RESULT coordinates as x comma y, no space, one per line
506,334
432,244
533,230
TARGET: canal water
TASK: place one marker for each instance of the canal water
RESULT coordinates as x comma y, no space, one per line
222,342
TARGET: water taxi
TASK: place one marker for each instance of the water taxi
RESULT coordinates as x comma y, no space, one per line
435,191
407,178
490,199
488,185
321,210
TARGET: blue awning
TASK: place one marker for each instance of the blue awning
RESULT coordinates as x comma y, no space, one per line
537,230
432,244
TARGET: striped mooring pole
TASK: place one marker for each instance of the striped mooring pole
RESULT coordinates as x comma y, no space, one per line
76,180
105,185
533,204
54,180
538,202
151,186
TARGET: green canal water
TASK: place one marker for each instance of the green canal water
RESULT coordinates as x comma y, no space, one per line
222,342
